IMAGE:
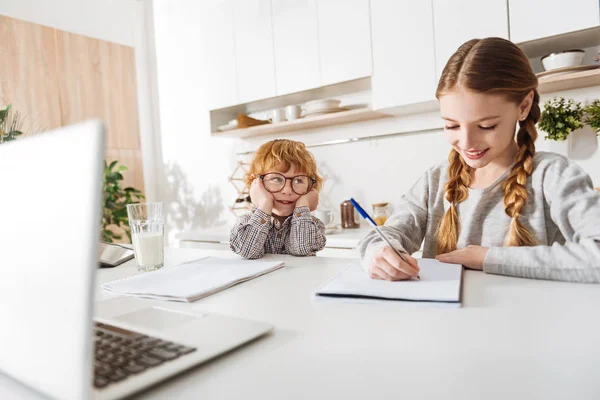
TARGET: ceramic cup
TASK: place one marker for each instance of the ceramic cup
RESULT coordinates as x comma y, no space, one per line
325,216
277,115
292,112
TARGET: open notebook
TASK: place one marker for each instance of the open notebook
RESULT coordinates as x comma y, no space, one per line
440,282
192,280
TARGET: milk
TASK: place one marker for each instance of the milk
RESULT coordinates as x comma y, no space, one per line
149,248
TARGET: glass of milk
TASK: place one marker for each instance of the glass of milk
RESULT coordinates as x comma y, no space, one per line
147,231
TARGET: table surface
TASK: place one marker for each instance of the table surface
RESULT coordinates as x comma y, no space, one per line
513,338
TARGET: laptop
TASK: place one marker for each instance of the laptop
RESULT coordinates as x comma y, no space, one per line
50,207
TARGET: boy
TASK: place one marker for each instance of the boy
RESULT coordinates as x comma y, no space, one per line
284,186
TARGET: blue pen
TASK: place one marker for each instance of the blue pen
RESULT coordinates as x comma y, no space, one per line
366,216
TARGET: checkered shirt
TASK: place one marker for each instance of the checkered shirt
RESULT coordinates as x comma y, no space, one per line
258,233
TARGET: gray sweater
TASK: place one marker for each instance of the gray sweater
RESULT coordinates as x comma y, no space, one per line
562,212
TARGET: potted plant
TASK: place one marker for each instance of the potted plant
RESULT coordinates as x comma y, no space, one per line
559,118
592,113
10,124
115,200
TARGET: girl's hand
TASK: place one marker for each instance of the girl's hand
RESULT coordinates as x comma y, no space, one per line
261,197
310,199
389,266
470,257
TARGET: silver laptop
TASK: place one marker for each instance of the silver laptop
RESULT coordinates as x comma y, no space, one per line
50,199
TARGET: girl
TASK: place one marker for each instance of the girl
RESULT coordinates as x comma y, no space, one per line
284,186
497,204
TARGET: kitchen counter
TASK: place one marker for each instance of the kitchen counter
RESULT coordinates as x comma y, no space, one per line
336,239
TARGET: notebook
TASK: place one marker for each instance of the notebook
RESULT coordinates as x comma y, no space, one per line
191,280
440,282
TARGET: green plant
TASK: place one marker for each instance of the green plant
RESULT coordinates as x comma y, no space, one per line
10,124
115,200
560,117
593,116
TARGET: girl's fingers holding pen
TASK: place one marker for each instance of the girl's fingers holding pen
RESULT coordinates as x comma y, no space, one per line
379,273
394,273
410,267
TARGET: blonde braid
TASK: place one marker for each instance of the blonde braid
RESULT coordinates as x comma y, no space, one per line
456,190
515,192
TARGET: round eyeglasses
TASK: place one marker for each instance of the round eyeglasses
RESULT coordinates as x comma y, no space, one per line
275,182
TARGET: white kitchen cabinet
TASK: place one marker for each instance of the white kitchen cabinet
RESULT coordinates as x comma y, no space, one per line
456,21
534,19
296,45
344,40
217,50
254,49
403,53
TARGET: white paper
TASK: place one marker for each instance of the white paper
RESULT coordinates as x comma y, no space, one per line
440,282
193,280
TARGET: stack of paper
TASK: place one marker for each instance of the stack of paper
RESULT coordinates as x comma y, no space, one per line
192,280
440,282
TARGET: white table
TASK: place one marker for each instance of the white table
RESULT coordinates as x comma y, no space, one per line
513,338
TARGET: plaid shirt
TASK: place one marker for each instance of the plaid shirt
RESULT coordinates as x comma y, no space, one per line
258,233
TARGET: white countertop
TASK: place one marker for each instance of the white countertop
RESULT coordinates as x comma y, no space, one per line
340,238
513,338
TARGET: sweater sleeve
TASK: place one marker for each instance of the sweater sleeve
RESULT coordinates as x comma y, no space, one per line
307,233
575,209
405,228
249,235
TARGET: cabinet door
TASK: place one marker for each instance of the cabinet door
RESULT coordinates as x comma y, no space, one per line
217,48
296,45
403,62
254,49
344,40
457,21
534,19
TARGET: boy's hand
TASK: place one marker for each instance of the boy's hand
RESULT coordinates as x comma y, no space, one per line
310,199
260,196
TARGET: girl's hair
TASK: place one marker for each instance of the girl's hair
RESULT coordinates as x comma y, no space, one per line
283,154
495,66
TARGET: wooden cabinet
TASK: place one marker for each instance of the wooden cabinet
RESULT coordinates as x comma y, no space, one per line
403,62
534,19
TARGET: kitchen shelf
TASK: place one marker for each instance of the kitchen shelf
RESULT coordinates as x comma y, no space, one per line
342,117
575,80
581,39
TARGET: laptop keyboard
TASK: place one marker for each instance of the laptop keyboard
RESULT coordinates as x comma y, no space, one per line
120,353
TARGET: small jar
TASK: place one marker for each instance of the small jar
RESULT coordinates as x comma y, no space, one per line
347,212
381,212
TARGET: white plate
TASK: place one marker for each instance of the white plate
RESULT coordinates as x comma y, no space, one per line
315,105
317,114
325,111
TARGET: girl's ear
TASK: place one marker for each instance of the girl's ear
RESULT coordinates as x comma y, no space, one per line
525,106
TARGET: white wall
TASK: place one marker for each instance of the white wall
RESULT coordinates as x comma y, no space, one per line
198,165
110,20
